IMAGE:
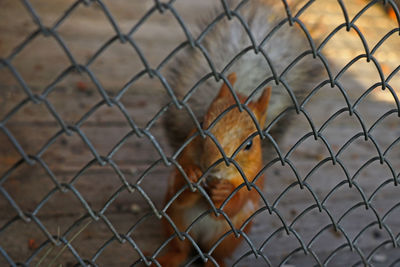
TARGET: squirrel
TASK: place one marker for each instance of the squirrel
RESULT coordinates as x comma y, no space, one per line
261,49
235,129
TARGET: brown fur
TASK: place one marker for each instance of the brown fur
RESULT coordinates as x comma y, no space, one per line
230,131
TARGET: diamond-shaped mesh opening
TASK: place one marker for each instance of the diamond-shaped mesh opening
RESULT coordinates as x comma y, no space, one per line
111,156
31,62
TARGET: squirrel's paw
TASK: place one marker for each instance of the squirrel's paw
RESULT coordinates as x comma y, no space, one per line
193,173
220,191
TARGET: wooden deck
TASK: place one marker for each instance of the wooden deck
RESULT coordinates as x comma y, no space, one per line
42,60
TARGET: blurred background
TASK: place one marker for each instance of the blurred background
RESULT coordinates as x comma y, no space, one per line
54,191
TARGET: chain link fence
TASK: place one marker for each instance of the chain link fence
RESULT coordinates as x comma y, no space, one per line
84,156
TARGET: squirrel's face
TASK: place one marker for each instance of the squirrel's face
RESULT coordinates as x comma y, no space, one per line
234,133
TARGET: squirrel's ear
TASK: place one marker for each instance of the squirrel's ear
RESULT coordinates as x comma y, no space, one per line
224,92
260,107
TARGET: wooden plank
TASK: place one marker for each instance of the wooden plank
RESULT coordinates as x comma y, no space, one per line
72,103
70,152
149,236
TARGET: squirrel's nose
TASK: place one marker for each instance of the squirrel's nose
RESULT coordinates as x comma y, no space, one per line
214,176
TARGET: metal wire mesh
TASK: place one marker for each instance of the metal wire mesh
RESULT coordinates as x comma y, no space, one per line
373,210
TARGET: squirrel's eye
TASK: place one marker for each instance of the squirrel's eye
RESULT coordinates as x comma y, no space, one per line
248,146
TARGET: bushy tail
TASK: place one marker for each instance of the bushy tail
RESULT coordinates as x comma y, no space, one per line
259,45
